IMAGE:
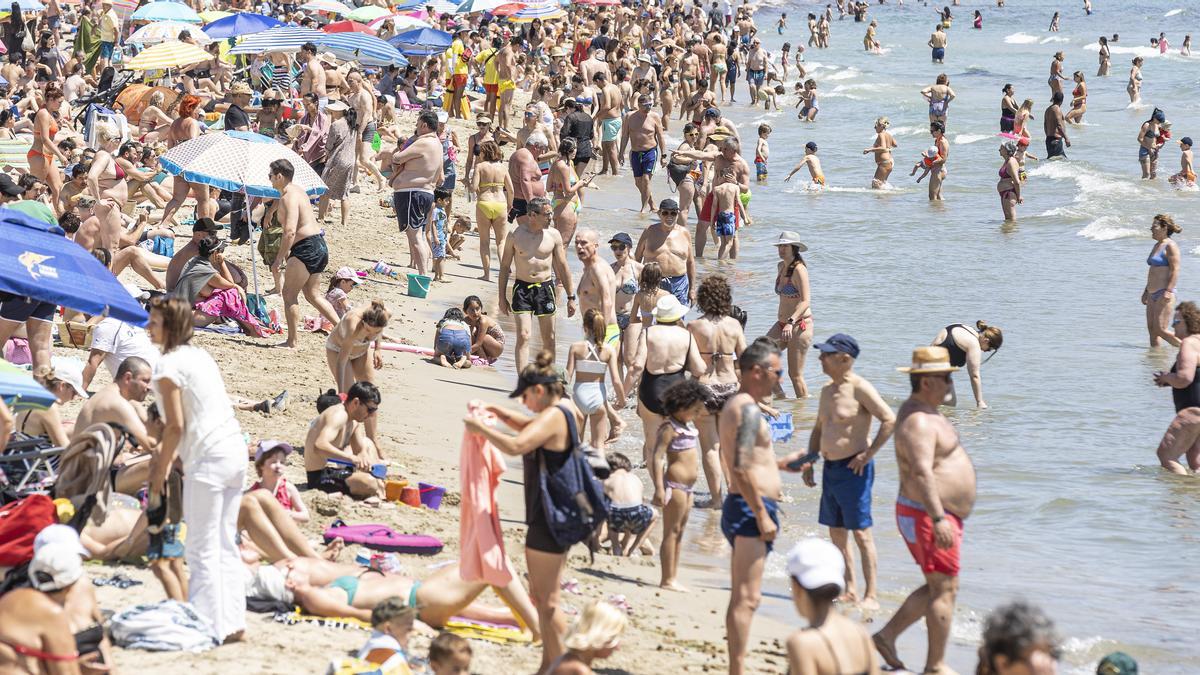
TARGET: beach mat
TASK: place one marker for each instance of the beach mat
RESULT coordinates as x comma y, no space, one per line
490,632
339,622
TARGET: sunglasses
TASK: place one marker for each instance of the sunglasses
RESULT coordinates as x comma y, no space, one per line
618,247
669,212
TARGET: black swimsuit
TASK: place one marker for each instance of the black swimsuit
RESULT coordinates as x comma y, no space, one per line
539,537
652,387
958,356
1189,396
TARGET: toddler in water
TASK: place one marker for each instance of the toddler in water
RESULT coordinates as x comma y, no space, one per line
452,340
769,96
629,520
338,293
269,460
730,212
930,158
762,152
392,622
436,231
814,167
450,655
674,467
1187,174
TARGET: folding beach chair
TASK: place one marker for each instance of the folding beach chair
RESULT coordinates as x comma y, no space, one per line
29,464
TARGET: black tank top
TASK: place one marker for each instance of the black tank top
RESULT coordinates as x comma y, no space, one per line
529,463
1189,396
958,356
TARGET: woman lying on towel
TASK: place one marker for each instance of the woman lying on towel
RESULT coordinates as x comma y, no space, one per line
208,288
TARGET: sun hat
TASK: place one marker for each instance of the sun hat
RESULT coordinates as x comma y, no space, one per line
790,238
669,309
327,57
59,535
839,342
71,372
240,87
644,58
54,567
483,119
347,273
932,152
929,359
814,563
556,52
1117,663
337,105
267,447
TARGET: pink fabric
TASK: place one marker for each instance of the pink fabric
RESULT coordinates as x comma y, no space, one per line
227,303
482,557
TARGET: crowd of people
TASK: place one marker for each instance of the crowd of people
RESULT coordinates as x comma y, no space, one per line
569,101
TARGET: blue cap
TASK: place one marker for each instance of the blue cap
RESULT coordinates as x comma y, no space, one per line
839,342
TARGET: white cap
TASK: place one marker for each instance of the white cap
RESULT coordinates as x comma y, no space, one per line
55,567
442,116
932,152
814,563
70,371
59,534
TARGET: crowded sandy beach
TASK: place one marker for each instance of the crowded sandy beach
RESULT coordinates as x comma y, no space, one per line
463,338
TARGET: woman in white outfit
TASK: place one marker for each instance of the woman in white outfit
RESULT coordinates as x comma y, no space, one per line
200,428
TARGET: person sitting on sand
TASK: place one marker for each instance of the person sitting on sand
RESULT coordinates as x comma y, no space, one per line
452,340
82,610
391,624
674,468
206,284
832,643
594,636
35,628
338,434
629,520
269,459
344,281
114,404
449,654
487,337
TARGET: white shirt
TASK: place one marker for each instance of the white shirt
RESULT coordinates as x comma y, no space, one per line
121,341
379,640
212,448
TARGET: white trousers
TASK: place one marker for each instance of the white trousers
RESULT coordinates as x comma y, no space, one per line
216,586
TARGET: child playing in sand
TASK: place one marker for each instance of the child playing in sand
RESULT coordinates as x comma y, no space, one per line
437,231
458,237
814,167
1187,175
629,519
730,212
762,152
449,655
339,290
269,460
928,160
452,340
487,337
392,622
674,467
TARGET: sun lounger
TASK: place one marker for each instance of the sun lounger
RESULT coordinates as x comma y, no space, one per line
30,464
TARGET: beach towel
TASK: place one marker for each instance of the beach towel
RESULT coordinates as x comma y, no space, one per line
83,473
167,626
340,622
383,538
87,40
490,632
482,557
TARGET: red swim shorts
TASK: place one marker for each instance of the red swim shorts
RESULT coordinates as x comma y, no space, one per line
917,529
458,81
492,89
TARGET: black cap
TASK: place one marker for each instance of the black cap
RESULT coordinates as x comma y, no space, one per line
668,204
621,238
839,342
8,187
525,382
1186,140
207,225
811,145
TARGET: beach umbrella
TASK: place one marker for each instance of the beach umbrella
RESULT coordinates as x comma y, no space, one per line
508,9
38,261
441,7
368,14
473,6
277,39
543,11
422,42
330,6
166,10
26,5
242,23
214,14
598,2
14,153
20,391
400,22
407,5
366,49
348,27
164,31
167,55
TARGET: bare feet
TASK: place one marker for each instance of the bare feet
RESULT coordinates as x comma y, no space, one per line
646,549
235,637
271,291
333,550
284,345
869,604
887,650
618,428
673,586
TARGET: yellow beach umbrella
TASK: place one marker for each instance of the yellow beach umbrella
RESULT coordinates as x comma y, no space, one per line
168,55
212,15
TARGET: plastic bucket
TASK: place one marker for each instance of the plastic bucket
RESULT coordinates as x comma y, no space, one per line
410,495
393,489
431,495
781,427
418,285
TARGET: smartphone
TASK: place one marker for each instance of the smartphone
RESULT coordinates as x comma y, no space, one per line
798,463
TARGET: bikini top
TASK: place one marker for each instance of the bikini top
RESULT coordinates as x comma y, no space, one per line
1158,257
1077,91
628,288
591,363
787,289
685,436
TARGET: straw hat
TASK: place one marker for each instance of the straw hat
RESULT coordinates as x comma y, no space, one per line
327,57
669,309
929,360
790,238
556,52
240,87
337,105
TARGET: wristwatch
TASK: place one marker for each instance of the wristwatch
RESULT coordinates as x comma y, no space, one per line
938,519
570,297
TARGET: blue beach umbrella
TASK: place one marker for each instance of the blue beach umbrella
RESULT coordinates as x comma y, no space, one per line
277,39
422,42
365,49
38,261
242,23
20,391
166,10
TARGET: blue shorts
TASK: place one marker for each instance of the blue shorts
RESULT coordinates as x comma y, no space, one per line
939,53
726,224
737,520
453,344
439,249
679,286
106,49
165,544
630,520
449,181
760,168
643,161
755,77
846,497
412,208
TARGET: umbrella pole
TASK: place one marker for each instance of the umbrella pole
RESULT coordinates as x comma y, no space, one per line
253,244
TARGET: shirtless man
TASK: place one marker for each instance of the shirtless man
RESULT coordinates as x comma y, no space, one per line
644,131
339,433
725,157
526,178
35,632
313,78
597,289
937,492
840,434
113,405
416,171
610,105
594,64
756,68
689,74
699,102
670,245
937,42
302,246
506,63
537,250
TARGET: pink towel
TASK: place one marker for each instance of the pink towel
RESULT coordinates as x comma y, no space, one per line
480,464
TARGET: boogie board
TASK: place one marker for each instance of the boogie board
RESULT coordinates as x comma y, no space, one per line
383,538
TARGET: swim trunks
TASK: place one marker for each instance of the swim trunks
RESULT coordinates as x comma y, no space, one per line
917,529
368,133
939,53
726,224
20,309
643,161
630,520
312,252
165,544
845,496
708,211
106,49
520,207
610,129
737,520
755,77
330,479
412,208
679,286
533,298
760,168
1055,148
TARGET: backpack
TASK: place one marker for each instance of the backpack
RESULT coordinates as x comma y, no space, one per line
20,522
573,500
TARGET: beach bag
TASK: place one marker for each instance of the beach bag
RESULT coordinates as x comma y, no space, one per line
573,500
257,305
20,522
383,538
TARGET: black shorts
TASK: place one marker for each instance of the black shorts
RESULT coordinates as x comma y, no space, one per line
412,208
330,479
539,537
1055,148
19,309
519,208
313,252
533,298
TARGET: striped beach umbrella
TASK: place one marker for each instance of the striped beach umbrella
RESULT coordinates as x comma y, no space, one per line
167,10
330,6
168,55
401,22
543,10
164,31
279,39
237,161
365,49
367,14
473,6
441,7
13,153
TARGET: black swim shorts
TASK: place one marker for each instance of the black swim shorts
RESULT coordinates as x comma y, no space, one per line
412,208
313,252
19,309
330,479
533,298
519,208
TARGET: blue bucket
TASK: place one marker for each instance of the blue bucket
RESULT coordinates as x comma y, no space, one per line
418,285
781,427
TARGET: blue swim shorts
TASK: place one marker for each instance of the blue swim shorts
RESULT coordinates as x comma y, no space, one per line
846,497
726,224
643,161
679,286
737,520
